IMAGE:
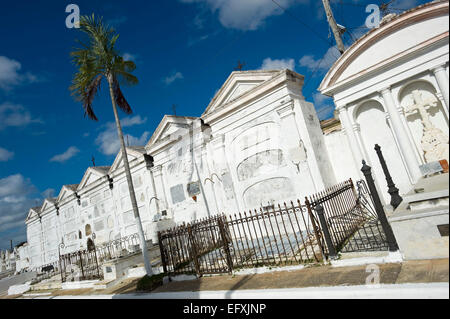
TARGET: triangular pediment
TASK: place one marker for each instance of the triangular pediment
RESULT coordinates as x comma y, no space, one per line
33,213
133,152
237,84
49,203
90,176
66,191
170,126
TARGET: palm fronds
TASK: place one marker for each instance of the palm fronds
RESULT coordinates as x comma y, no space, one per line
96,59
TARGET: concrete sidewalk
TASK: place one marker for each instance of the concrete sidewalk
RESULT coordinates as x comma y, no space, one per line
423,271
396,274
398,291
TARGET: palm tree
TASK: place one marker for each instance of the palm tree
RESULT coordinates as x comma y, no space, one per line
95,61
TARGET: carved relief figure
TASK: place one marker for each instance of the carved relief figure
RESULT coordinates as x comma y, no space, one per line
434,142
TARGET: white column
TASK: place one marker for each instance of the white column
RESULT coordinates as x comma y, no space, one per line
357,130
291,138
157,170
442,80
351,136
155,193
401,110
212,188
221,160
412,165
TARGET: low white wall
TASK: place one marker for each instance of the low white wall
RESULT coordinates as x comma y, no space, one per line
418,236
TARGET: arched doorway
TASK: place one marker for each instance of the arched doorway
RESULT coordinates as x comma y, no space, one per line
90,244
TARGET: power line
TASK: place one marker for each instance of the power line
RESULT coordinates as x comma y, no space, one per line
365,5
303,23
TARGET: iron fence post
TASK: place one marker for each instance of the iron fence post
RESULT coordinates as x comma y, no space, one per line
396,199
161,251
194,250
95,256
326,232
314,226
366,169
225,245
81,264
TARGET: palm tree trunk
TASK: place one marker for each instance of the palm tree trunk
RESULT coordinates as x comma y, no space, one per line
148,268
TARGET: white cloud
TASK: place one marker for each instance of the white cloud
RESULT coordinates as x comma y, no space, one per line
133,120
245,15
191,42
71,152
325,112
14,185
15,201
324,106
15,115
320,98
323,64
277,64
5,155
10,75
108,141
48,193
129,57
172,78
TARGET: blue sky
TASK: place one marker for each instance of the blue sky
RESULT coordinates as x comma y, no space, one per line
184,51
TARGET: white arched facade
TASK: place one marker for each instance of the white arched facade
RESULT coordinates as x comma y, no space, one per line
386,94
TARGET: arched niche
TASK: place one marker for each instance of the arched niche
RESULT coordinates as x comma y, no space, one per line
374,129
268,190
88,230
435,113
261,163
255,139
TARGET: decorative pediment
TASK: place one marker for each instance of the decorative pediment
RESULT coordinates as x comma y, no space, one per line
133,152
170,127
49,203
368,55
237,84
92,174
66,191
33,213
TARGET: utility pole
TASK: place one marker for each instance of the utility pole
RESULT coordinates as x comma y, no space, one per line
333,25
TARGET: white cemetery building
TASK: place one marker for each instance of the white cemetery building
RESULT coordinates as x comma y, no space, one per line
391,87
7,261
259,142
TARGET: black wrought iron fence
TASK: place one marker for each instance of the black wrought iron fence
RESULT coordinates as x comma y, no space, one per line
348,220
338,209
117,248
370,236
80,265
286,235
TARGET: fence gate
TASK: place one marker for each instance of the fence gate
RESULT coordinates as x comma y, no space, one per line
349,221
80,265
199,248
370,236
